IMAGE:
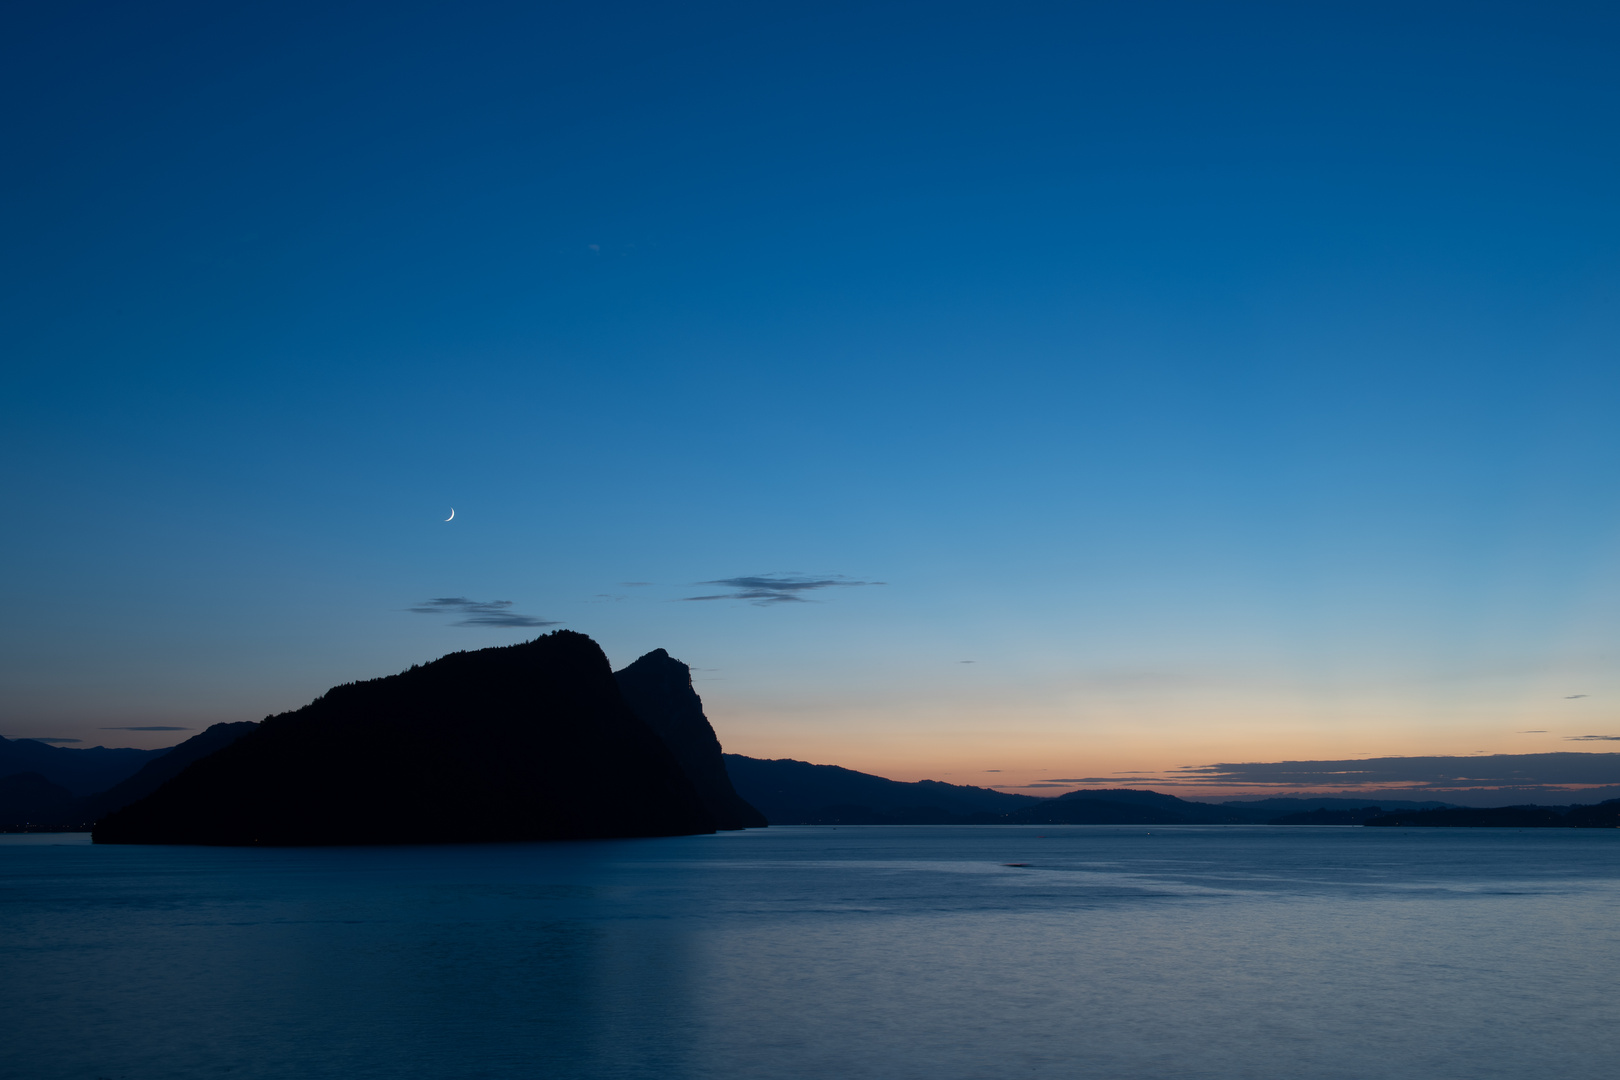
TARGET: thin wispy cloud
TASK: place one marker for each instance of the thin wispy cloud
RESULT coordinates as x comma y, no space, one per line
147,727
1113,781
1417,773
1572,697
764,590
479,612
1592,738
1562,774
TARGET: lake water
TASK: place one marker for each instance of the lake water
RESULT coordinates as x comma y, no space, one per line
1117,952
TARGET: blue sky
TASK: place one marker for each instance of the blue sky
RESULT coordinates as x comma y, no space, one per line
1227,382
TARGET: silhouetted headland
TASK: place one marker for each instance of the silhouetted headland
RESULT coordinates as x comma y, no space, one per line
659,689
154,774
526,742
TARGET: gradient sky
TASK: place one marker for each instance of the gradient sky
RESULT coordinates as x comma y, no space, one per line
1228,382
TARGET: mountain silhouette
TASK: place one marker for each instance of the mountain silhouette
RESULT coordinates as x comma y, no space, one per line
1323,816
659,689
1284,805
31,802
1131,806
790,792
154,774
82,770
1605,815
524,742
1126,806
793,792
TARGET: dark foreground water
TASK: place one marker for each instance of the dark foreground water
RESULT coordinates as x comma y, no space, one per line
823,953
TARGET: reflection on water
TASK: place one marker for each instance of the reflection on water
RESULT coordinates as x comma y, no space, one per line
1115,952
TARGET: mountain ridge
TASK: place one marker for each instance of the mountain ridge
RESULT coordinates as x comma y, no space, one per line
793,792
83,770
389,760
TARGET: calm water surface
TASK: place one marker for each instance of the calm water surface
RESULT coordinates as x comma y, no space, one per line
1116,952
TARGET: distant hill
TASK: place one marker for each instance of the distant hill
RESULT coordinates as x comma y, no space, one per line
1358,815
659,689
1300,804
1605,815
527,742
790,792
82,770
1127,806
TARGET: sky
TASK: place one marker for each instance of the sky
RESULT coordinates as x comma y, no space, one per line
1001,393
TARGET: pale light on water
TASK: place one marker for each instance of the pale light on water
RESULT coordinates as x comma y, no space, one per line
794,953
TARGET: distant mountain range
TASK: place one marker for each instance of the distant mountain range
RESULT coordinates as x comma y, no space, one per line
81,771
791,792
35,800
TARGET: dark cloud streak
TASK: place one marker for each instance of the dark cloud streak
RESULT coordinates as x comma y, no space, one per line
479,612
764,590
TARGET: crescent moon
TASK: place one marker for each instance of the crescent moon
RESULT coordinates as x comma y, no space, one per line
452,516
